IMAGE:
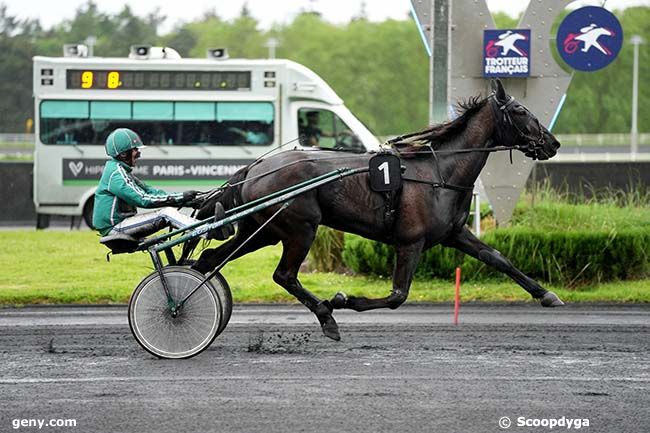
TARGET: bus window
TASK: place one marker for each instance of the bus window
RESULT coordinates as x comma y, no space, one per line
323,128
158,122
249,123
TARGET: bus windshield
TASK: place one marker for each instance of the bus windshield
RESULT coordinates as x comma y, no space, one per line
77,122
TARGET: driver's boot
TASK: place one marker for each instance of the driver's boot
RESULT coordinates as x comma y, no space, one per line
224,232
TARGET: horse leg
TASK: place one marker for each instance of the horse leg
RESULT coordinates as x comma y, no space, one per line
466,242
406,260
286,275
213,257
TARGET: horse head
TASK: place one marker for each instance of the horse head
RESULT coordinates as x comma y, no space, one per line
518,128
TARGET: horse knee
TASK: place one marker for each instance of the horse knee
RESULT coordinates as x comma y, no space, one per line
396,299
281,278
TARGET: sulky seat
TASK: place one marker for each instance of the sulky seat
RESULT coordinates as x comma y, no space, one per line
120,243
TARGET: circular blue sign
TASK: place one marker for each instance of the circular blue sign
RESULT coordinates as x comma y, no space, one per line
589,38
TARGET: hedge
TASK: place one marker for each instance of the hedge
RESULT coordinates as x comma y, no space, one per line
561,257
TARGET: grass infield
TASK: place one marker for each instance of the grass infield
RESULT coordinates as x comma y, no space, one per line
70,267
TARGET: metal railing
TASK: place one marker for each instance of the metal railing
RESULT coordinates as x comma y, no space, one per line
16,138
596,140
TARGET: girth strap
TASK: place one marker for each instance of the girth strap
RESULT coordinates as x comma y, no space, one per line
391,201
443,184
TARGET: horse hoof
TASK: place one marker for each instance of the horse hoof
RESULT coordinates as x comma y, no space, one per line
327,322
331,329
340,300
550,299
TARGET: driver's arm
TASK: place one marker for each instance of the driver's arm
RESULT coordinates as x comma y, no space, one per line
136,193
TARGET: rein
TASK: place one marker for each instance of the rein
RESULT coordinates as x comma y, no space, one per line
503,111
500,110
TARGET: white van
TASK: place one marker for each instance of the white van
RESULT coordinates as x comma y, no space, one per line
202,119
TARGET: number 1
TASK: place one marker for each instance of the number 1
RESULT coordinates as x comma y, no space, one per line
384,167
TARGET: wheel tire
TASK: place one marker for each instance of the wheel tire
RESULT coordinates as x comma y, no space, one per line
42,221
88,212
223,290
195,327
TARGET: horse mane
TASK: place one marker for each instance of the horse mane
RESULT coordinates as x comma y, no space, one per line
419,143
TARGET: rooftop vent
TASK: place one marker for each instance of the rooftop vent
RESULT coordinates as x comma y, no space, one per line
145,52
75,50
217,53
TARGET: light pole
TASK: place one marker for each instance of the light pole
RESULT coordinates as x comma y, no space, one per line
635,40
91,41
272,44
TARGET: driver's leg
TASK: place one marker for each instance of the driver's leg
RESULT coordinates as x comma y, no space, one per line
145,224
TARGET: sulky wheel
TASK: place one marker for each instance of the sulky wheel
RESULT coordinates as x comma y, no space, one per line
197,323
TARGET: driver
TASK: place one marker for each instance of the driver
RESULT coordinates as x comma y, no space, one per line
120,193
312,131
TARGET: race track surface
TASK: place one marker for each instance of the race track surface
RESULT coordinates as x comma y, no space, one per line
409,370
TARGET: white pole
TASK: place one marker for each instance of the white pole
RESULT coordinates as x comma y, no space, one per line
477,215
91,41
272,44
432,14
634,142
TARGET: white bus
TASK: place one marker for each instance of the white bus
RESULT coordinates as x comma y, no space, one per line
202,119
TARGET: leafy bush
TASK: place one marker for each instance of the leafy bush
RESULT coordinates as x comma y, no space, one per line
325,252
367,257
571,257
561,257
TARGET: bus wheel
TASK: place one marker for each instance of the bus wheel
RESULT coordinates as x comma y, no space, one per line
88,212
42,221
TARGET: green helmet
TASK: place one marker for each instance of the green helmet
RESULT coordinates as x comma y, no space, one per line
121,140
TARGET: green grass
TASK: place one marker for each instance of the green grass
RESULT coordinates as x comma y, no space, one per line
595,216
70,267
17,145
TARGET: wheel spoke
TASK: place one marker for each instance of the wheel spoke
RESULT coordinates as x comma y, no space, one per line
197,324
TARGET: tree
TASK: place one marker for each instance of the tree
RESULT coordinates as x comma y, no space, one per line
379,69
15,68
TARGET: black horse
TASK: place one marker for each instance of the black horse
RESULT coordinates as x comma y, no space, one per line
442,164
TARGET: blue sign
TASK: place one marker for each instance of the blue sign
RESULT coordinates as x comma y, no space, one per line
589,38
506,53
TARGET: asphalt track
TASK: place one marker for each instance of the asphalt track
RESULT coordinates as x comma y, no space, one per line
408,370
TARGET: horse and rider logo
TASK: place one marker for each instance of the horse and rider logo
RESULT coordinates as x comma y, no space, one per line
589,38
506,53
507,41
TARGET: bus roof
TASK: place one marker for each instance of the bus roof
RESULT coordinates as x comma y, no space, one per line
300,81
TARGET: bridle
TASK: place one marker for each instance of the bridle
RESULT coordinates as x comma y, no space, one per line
504,111
503,116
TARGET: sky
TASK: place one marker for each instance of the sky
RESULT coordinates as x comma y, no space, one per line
267,12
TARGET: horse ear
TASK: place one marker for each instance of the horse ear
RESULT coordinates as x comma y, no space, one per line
498,90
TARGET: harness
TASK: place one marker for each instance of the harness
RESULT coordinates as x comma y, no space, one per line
503,115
